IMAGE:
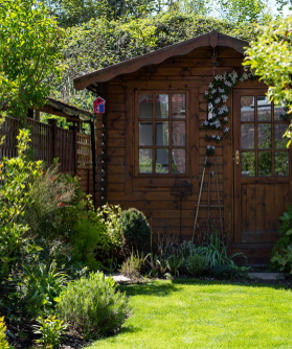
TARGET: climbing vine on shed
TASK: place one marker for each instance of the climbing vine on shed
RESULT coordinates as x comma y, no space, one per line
217,110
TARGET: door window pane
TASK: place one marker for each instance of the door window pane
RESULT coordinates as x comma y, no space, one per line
264,136
264,108
145,106
162,133
161,161
145,133
178,163
162,106
179,133
280,142
178,106
247,108
248,164
279,113
265,163
282,163
145,160
247,136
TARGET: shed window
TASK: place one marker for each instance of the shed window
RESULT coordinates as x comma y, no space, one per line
162,133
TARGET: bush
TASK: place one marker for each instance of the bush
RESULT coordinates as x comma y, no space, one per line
136,230
86,238
50,329
282,253
196,265
93,305
3,341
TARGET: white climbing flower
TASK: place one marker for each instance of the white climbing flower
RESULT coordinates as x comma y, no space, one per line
217,100
224,98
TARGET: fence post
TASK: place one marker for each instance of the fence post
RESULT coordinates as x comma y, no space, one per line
75,159
53,142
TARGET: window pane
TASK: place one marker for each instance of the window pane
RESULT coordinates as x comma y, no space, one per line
247,108
279,113
265,163
247,136
179,106
161,161
162,106
145,106
179,133
162,133
248,164
264,108
264,136
282,164
178,162
145,133
145,160
279,131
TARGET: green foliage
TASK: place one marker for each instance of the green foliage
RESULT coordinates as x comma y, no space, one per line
189,259
136,230
110,215
50,329
29,48
16,248
86,239
270,55
102,42
93,305
40,285
282,252
244,11
132,266
196,265
3,341
215,252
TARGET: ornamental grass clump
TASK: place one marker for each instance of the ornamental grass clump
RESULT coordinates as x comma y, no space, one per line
93,306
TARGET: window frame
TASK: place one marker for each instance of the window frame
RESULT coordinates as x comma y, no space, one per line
153,120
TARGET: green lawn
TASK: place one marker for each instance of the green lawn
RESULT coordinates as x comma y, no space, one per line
194,314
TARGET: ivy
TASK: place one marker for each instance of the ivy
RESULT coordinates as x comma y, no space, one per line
218,111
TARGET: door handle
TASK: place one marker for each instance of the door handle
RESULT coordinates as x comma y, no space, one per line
237,157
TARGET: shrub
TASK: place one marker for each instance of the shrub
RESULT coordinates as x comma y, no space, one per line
93,305
132,266
196,265
86,239
136,230
50,330
3,341
282,253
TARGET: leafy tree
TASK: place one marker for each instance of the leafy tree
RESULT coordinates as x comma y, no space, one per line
76,12
101,42
29,47
270,55
243,11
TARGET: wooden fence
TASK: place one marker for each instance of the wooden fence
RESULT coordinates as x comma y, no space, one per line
49,142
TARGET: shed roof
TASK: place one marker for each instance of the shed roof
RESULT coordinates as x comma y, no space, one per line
70,112
212,39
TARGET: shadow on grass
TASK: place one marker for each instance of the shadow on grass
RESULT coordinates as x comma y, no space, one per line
150,289
277,284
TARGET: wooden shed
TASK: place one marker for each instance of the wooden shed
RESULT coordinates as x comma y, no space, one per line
167,148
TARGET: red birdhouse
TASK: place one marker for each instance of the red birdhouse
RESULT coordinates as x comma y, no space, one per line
99,105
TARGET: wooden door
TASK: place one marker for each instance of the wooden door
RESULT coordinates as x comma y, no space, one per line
261,169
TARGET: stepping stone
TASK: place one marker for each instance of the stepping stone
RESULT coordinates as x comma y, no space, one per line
121,279
266,276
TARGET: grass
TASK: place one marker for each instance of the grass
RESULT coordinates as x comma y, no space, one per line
194,314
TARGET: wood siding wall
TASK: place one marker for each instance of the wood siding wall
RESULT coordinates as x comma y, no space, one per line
170,203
